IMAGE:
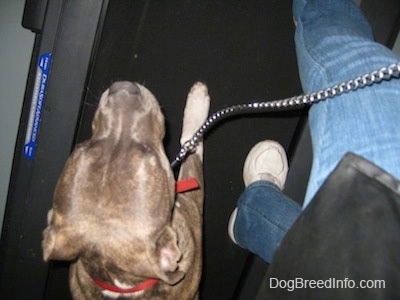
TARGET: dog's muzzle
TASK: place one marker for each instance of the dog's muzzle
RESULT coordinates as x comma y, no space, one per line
126,86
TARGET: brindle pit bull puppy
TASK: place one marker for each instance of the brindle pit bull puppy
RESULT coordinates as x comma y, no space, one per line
116,215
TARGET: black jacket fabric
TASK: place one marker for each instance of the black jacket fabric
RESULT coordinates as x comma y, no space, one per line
346,243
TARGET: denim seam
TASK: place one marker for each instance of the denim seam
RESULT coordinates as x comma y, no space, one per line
266,217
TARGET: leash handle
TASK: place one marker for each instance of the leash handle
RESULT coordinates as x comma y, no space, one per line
293,103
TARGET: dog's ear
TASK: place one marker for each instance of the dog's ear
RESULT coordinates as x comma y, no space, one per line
168,256
58,243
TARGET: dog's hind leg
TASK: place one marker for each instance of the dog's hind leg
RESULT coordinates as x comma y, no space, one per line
195,114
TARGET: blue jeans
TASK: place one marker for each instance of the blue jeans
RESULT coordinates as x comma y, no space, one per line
263,218
334,43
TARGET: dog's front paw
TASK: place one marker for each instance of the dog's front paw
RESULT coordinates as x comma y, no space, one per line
196,110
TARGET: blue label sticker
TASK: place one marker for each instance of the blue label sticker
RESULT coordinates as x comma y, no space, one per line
35,114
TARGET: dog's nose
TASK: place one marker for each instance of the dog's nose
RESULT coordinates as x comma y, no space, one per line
127,86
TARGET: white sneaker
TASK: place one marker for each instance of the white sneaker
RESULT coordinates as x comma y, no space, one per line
266,161
231,223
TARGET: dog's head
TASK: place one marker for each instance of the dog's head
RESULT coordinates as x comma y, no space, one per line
114,200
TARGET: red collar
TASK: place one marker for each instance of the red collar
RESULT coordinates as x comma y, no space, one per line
182,186
186,185
112,288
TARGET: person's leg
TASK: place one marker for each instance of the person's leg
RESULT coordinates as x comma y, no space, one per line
263,214
334,43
